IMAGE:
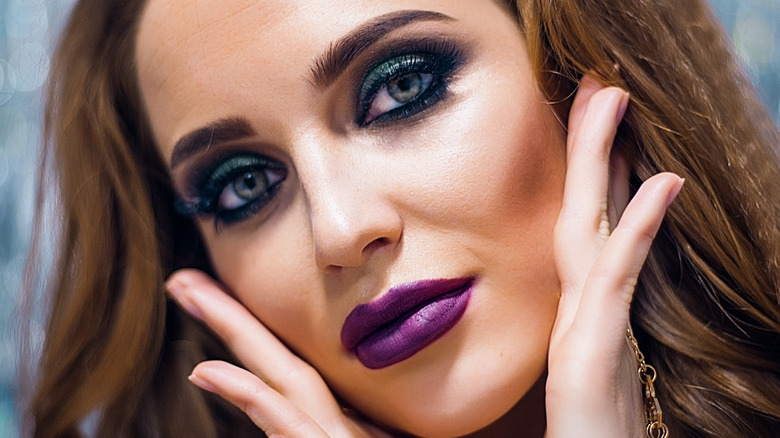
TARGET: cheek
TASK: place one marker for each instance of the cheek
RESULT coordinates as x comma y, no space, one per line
502,162
522,169
522,149
513,178
266,270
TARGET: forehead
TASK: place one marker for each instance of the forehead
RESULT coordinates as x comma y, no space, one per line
191,51
202,24
183,46
198,31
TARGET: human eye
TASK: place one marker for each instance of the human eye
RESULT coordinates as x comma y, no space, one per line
408,83
234,188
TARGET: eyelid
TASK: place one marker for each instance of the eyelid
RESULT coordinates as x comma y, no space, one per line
441,56
202,187
189,173
393,47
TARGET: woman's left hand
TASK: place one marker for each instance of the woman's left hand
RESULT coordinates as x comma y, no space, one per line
601,243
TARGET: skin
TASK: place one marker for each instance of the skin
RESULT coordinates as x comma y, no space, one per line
476,185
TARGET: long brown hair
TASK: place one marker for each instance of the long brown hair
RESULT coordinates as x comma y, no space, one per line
116,351
707,309
708,302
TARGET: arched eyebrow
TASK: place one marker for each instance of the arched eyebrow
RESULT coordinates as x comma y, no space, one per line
221,131
341,53
327,68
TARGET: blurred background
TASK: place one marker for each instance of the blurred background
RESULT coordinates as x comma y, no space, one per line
28,30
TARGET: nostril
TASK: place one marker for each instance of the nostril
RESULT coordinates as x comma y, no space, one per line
348,237
376,244
333,269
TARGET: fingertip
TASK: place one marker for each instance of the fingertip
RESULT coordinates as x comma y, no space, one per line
179,281
651,202
195,291
207,368
206,374
676,188
180,291
608,100
189,276
202,382
666,184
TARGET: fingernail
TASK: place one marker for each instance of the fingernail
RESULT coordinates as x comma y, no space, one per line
623,107
675,191
181,293
202,384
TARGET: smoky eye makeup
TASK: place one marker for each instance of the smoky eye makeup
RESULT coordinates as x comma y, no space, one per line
231,188
397,80
409,77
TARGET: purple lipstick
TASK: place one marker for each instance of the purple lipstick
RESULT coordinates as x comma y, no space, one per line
405,320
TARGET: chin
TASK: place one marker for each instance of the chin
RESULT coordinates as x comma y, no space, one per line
455,419
437,400
459,414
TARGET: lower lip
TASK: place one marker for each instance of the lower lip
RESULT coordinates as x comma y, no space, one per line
414,331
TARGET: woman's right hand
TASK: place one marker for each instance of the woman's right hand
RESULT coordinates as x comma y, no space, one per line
281,393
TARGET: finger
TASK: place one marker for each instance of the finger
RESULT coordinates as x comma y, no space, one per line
587,173
588,86
249,340
595,340
253,344
269,410
583,224
606,299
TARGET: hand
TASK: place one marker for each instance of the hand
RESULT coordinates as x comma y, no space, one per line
592,385
282,394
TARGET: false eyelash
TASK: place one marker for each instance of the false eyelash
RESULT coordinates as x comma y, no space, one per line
439,56
207,184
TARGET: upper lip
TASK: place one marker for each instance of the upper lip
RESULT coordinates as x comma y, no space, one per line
399,300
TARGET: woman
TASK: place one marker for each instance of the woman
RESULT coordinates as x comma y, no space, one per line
405,236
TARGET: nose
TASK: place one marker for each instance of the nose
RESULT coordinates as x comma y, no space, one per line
351,217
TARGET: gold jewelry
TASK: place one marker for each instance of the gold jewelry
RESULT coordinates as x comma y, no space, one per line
653,414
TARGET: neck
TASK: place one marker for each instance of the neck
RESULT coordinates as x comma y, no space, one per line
526,419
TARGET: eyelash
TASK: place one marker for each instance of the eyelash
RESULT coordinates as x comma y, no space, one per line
437,59
433,61
210,188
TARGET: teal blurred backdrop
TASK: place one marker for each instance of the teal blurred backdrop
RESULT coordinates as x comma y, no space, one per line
28,29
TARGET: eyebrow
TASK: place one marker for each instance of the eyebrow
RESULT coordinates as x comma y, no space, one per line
326,69
340,54
221,131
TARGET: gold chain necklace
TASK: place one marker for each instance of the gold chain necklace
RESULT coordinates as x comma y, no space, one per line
647,374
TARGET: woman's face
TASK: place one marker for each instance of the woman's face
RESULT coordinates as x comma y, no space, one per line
397,153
